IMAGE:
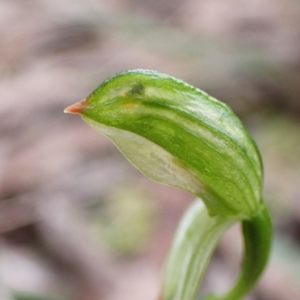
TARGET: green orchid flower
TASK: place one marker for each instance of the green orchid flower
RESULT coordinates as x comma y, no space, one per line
180,136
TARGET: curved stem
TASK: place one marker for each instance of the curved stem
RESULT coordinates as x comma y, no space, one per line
257,242
257,234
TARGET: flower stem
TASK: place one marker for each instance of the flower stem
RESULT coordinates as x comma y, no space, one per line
257,234
257,242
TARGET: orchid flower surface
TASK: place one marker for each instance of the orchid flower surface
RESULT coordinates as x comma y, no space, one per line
178,135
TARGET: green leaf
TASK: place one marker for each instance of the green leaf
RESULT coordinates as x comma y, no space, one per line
193,245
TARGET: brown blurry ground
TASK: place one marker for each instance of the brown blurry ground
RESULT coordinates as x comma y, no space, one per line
79,222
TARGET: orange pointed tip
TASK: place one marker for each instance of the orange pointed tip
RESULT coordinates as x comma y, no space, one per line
76,108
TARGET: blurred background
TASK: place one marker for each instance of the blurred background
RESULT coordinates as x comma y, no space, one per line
77,221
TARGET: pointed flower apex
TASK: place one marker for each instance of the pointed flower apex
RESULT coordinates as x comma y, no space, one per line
76,108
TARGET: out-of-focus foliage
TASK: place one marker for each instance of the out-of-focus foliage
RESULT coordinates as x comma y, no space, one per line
123,220
24,296
278,137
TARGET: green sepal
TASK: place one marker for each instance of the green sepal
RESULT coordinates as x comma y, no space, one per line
183,133
180,136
